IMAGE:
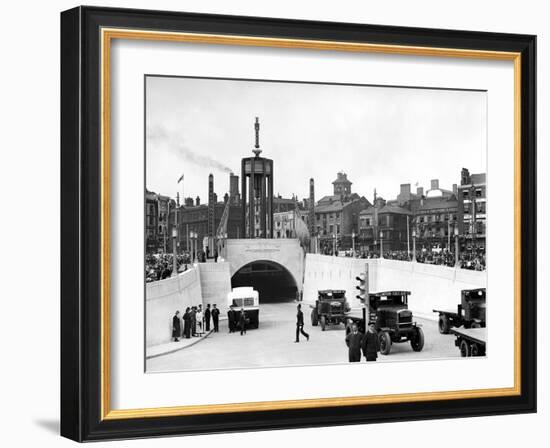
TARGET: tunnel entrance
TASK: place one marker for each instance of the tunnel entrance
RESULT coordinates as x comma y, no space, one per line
273,281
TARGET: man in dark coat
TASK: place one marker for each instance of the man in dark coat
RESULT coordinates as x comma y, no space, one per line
187,323
242,321
354,339
207,318
370,343
300,324
215,317
231,319
176,327
193,314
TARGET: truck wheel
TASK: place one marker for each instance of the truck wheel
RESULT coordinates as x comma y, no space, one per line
444,324
474,350
464,349
417,342
323,322
314,318
384,341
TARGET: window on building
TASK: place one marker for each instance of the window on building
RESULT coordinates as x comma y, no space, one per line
330,228
478,192
465,194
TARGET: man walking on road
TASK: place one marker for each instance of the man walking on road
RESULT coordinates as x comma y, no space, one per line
370,343
242,321
354,341
300,324
215,317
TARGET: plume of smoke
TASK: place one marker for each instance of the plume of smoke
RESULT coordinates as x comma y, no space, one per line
159,134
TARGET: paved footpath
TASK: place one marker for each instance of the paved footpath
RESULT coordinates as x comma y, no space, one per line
272,344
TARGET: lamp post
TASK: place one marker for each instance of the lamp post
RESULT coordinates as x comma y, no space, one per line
192,238
414,245
333,245
174,260
353,243
456,247
197,245
381,244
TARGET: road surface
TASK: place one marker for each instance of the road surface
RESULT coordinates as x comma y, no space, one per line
272,345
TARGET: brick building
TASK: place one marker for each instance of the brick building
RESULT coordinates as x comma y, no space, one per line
472,210
157,209
337,215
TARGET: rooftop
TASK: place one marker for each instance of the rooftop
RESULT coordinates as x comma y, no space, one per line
438,203
395,209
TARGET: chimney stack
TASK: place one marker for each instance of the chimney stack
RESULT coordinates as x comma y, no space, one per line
233,188
211,204
434,184
198,201
455,189
420,191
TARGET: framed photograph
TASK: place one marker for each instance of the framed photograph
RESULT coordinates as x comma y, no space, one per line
273,223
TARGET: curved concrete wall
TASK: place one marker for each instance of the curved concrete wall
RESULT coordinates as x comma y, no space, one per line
431,286
328,272
163,298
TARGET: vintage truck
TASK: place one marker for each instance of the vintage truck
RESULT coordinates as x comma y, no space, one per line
470,341
331,308
393,320
248,299
470,313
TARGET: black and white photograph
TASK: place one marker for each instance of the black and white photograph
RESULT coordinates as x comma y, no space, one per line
296,224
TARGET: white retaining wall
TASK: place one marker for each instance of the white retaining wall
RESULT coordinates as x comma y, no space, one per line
431,286
163,298
328,272
215,281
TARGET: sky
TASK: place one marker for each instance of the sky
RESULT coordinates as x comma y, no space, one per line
380,136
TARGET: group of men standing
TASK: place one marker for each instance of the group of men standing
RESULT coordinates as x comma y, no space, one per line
367,343
237,320
194,321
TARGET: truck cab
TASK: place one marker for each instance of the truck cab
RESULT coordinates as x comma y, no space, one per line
248,299
331,307
389,311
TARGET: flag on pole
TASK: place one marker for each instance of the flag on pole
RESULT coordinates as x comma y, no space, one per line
180,179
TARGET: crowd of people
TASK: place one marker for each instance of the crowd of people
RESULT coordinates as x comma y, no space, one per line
160,266
196,322
469,260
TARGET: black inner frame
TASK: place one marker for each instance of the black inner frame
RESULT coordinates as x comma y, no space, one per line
81,223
